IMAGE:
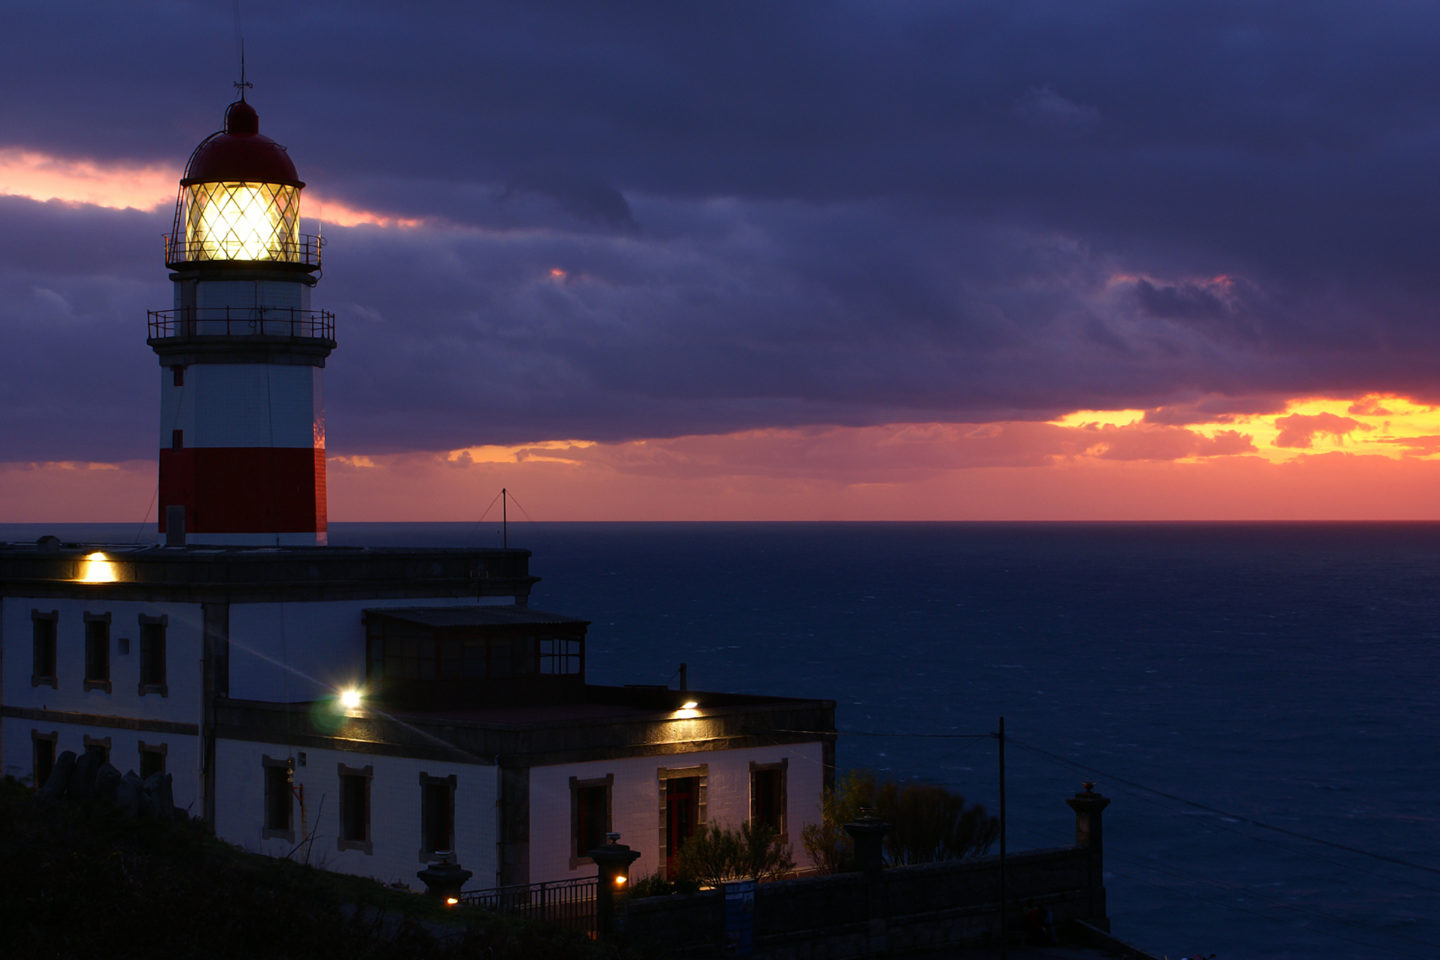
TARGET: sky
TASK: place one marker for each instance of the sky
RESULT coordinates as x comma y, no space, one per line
829,260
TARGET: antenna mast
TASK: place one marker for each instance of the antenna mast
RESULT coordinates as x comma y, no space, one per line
242,85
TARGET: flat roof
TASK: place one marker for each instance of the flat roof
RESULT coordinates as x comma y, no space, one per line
472,615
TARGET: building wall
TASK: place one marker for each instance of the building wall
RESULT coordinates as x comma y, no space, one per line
636,801
323,644
182,752
183,635
395,810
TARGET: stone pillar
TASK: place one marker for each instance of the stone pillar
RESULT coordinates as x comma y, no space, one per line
1090,836
444,880
868,833
612,862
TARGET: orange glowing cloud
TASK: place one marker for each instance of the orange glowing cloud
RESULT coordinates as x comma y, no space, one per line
41,177
1088,465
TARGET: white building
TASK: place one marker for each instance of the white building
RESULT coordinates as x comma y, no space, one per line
220,656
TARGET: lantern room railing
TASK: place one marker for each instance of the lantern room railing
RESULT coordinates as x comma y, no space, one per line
305,251
287,322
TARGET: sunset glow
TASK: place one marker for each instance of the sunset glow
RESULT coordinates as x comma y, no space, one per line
40,176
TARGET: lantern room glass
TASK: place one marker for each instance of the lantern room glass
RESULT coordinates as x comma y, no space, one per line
238,220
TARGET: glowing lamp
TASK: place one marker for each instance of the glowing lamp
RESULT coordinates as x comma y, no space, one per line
97,568
239,199
689,704
351,699
451,901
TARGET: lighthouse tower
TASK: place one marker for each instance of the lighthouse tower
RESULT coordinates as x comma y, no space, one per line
242,354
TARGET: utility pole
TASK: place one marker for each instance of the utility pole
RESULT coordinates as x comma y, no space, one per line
1004,935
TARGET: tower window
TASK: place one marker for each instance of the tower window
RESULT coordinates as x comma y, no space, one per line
355,808
98,745
590,816
152,758
437,816
43,627
177,439
152,655
44,744
767,796
97,651
177,376
279,775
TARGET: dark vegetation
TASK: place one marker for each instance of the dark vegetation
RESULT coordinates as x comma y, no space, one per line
927,823
81,881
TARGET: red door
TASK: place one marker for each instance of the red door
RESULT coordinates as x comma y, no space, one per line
682,813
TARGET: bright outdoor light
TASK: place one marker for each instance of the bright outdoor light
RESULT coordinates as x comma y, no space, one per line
97,569
689,704
451,901
232,220
620,881
350,699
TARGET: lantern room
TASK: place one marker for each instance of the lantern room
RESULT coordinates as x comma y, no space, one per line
239,201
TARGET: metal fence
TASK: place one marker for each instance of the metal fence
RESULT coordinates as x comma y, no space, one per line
567,903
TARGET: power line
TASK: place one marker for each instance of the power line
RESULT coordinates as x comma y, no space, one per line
1385,857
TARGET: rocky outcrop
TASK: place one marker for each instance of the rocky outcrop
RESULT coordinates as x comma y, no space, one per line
90,778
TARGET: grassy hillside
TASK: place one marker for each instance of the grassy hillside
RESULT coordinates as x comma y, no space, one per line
79,881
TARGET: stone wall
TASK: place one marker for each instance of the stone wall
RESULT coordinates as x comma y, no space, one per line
902,911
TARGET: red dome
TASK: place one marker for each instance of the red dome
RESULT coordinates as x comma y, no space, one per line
240,152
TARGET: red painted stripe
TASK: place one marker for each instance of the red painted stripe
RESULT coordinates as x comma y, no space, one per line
245,489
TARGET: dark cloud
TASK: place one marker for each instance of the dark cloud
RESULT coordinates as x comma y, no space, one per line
653,220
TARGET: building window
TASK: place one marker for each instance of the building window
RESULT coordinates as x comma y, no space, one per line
177,439
437,816
767,796
355,808
97,651
152,758
44,755
590,816
682,810
561,655
152,655
177,376
279,787
100,745
44,629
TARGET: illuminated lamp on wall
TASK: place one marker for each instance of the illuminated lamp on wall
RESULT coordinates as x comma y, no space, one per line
97,568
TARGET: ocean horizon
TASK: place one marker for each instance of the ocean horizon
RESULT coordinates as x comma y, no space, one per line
1258,699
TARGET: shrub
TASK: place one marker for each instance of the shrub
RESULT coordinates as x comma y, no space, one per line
715,854
927,823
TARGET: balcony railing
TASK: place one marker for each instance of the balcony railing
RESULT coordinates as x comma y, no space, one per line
306,250
287,322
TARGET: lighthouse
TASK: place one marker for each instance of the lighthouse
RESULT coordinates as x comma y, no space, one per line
242,353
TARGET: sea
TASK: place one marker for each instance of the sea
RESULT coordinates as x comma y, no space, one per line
1260,701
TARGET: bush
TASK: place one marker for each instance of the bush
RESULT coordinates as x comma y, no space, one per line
927,823
715,854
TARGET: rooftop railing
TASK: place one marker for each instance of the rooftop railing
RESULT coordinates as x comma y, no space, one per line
288,322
